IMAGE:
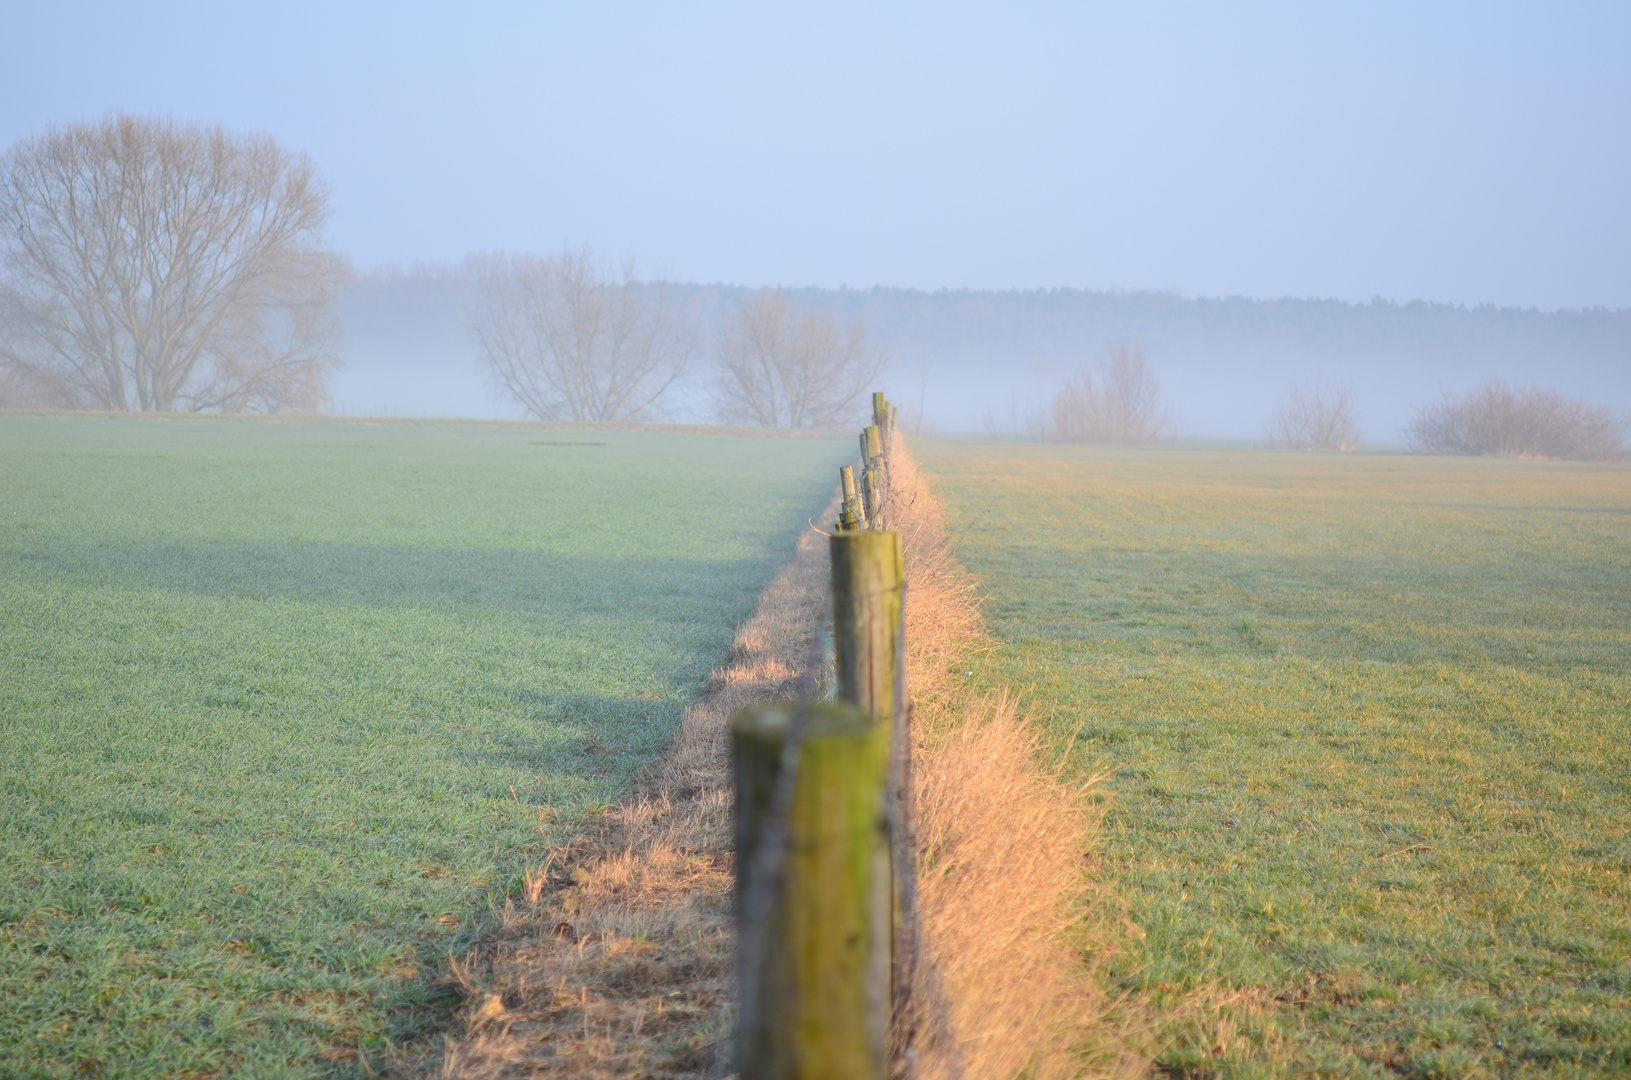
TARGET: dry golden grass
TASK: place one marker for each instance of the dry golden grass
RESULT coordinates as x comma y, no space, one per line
943,625
1004,891
617,962
1013,930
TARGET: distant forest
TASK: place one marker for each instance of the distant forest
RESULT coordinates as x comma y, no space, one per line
979,360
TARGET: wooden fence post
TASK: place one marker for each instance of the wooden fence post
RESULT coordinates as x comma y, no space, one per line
871,444
820,986
868,590
851,514
819,953
866,606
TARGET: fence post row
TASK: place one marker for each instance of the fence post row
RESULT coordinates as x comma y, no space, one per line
824,871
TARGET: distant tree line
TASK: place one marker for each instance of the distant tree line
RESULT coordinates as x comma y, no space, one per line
151,265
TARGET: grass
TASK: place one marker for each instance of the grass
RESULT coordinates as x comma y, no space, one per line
285,707
1370,720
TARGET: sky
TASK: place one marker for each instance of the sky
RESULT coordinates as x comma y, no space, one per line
1458,153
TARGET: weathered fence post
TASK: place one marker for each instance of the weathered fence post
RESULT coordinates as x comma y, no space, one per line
868,588
866,608
851,514
823,857
815,970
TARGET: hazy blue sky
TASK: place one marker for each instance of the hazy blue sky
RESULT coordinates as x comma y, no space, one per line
1462,153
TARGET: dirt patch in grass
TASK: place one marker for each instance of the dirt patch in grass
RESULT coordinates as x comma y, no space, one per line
617,960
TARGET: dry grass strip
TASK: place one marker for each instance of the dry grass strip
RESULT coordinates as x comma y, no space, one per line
1014,930
617,962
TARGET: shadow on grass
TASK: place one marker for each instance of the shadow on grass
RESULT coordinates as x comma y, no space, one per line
390,576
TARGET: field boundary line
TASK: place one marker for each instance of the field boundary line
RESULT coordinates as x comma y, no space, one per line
617,961
1016,933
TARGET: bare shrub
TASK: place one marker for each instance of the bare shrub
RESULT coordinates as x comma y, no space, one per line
1120,404
1318,419
785,366
156,266
569,340
1524,421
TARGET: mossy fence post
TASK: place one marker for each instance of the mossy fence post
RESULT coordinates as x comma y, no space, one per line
866,608
824,885
815,986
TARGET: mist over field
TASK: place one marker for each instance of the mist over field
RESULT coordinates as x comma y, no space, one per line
996,195
1240,508
981,361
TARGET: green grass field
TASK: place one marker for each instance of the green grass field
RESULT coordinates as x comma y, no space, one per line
284,708
1370,721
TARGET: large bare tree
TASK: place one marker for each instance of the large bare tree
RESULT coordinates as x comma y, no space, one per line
785,366
571,341
151,265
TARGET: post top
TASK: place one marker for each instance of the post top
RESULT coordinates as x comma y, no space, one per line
770,721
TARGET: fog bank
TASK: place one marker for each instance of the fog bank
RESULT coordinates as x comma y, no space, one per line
980,360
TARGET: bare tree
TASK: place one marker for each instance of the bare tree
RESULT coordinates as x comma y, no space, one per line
785,366
570,342
1119,404
1318,419
155,266
1519,421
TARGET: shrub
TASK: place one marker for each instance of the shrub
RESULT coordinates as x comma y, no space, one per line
1520,422
1120,404
1321,419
